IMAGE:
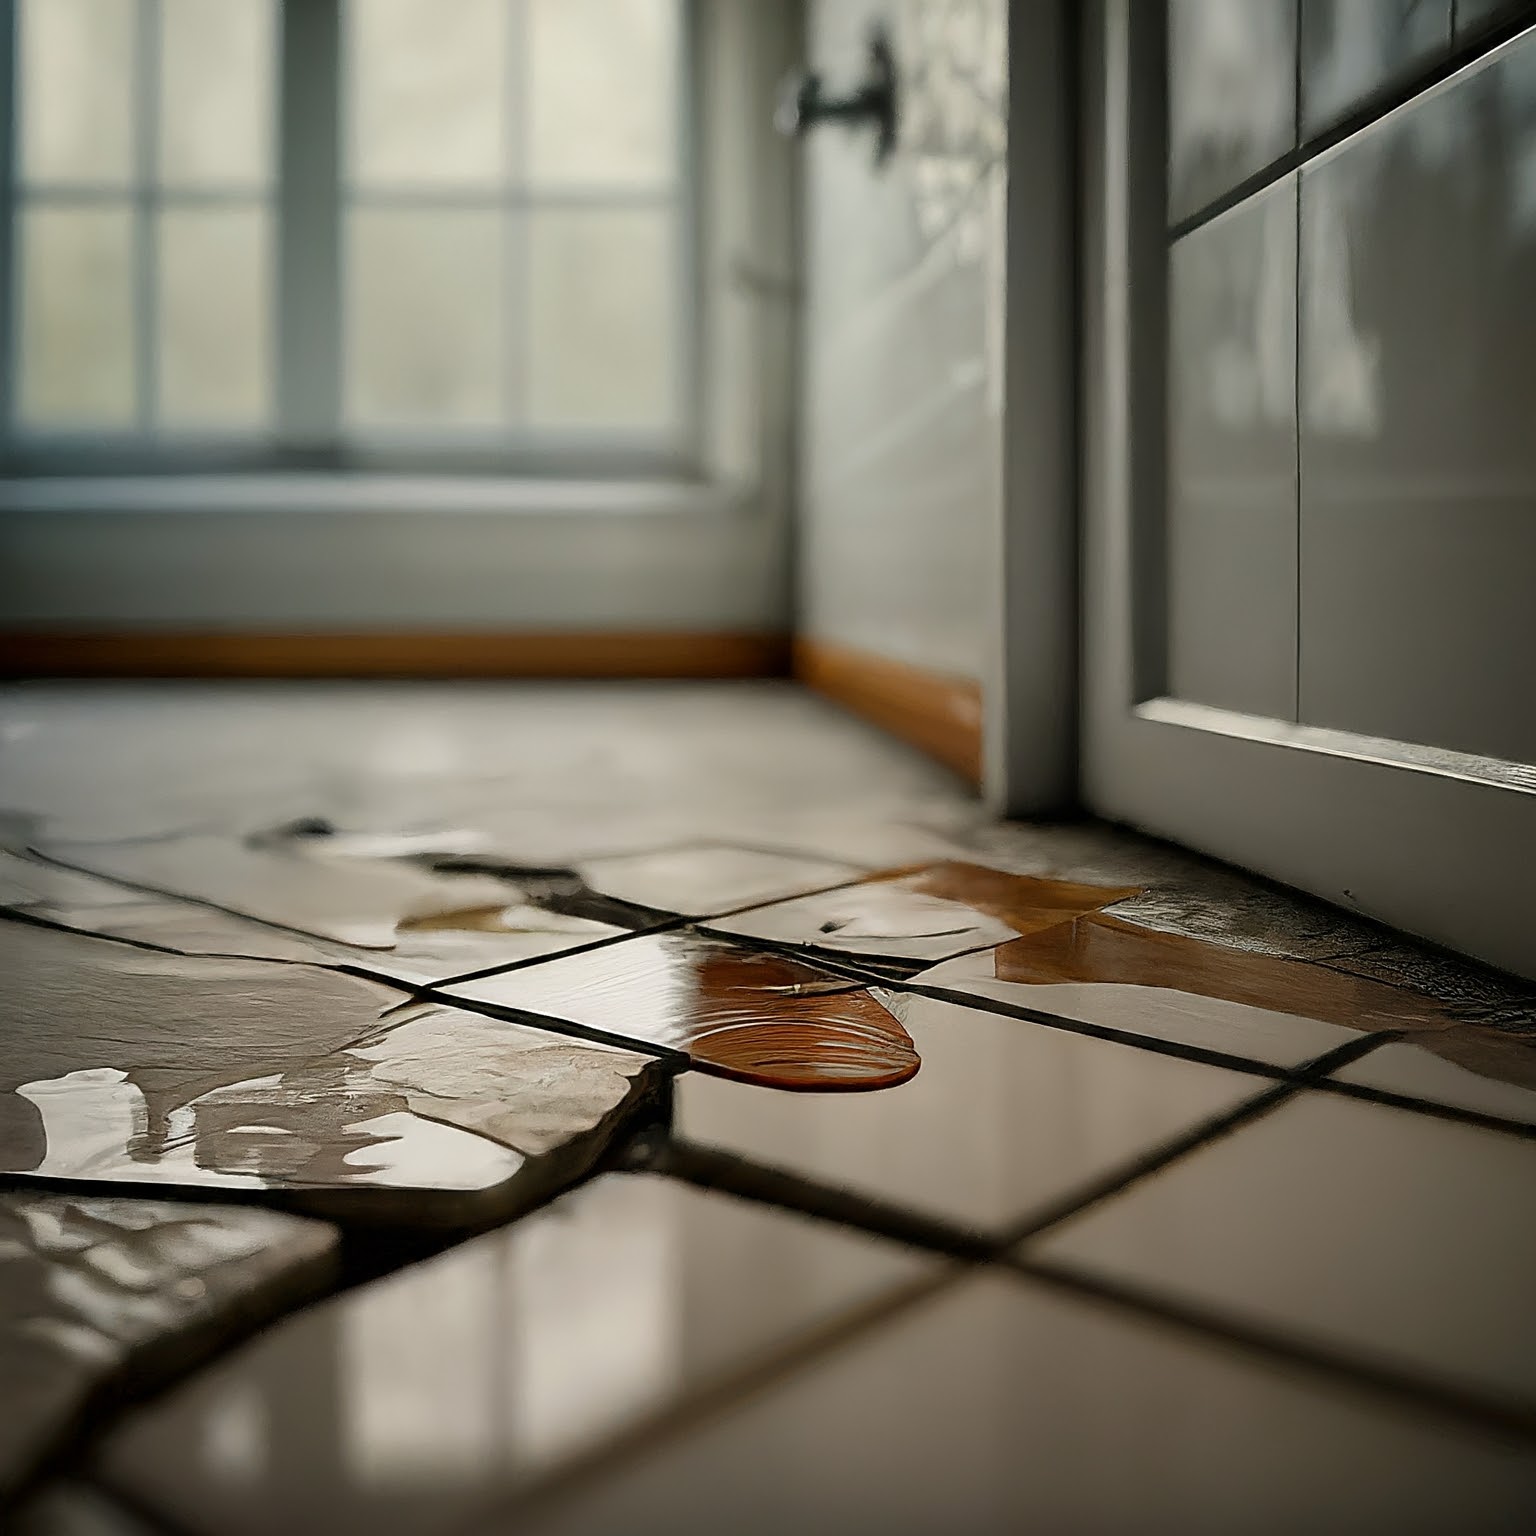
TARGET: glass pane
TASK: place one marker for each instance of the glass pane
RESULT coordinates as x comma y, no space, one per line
76,316
214,317
601,322
425,317
76,70
427,91
601,90
216,96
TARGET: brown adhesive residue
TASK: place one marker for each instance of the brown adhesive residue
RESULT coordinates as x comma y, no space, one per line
773,1020
492,919
1026,903
1099,948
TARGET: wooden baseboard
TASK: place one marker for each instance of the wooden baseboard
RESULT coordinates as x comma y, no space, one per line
934,712
144,653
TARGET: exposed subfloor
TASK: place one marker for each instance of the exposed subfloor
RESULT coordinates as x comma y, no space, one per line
676,1108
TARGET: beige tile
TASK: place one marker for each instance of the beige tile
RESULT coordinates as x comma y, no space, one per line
249,1075
1002,1117
997,1407
1422,1072
1378,1232
395,1407
1159,1013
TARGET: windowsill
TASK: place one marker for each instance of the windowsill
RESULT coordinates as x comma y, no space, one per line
349,492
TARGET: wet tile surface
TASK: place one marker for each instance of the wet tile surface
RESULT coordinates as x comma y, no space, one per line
467,831
1158,1012
755,1015
100,1295
408,908
1039,1412
942,909
257,1076
401,1404
1375,1231
1003,1116
1459,1072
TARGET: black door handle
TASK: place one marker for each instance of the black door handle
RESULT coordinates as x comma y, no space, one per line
803,101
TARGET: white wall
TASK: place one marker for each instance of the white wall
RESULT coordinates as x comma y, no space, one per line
900,415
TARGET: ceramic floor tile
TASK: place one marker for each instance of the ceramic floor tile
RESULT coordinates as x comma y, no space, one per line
1002,1117
997,1407
410,908
707,879
97,1295
76,1509
1157,1012
929,914
395,1407
125,1066
758,1016
1500,1081
1374,1231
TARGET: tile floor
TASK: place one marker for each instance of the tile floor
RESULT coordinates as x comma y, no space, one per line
475,1109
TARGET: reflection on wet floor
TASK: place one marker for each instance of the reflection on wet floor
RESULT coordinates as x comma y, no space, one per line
763,1017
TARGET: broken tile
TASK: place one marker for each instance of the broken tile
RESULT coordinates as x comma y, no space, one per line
1369,1230
755,1015
125,1066
1003,1118
102,1296
383,903
1493,1076
400,1405
927,914
998,1406
708,879
69,899
1158,1012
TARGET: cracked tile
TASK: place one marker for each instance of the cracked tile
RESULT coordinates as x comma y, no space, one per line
1374,1231
759,1016
99,1296
401,1405
1002,1118
122,1066
409,908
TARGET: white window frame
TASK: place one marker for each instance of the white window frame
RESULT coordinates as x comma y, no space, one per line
1432,841
308,198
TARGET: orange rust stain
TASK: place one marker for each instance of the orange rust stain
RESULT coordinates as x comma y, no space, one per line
1026,903
1099,948
773,1020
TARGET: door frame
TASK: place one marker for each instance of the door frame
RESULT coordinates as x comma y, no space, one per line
1442,844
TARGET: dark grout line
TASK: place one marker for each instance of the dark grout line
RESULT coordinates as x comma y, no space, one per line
729,1173
1430,1107
1507,1418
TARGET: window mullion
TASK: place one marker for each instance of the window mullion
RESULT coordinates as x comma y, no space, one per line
309,223
9,217
146,295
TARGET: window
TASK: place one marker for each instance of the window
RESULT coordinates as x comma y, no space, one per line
381,231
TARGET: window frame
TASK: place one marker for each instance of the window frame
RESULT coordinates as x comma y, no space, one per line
307,197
